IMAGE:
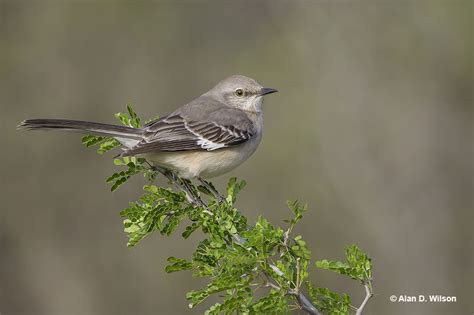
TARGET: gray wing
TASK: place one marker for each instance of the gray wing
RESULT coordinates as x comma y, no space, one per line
223,127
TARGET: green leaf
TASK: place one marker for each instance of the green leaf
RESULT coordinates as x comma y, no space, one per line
204,190
134,167
123,118
118,162
190,229
264,238
223,282
177,264
158,209
134,120
108,145
274,303
328,301
300,249
233,188
361,264
129,119
297,209
336,266
358,265
90,140
114,176
151,189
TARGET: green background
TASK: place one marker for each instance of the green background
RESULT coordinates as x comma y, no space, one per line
372,128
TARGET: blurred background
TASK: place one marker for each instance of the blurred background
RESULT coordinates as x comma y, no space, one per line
372,128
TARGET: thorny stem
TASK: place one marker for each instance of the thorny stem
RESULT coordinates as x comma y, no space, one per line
181,184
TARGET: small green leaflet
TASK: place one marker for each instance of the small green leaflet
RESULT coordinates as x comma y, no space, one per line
358,265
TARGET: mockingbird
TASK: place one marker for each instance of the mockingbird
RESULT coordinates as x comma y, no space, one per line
207,137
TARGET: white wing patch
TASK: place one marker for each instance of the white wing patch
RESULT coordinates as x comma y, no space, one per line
203,142
209,145
128,143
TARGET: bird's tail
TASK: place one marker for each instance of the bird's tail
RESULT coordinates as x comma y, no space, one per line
86,127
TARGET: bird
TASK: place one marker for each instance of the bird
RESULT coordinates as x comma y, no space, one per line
207,137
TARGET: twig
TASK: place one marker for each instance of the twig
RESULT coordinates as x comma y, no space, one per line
298,271
368,295
305,303
272,285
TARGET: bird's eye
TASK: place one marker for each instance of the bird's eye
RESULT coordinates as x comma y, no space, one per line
239,92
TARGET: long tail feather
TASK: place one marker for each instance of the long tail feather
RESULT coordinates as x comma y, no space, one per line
86,127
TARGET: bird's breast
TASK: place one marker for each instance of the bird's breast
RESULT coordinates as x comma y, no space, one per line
207,164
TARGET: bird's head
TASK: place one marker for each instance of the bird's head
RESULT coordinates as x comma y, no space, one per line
242,92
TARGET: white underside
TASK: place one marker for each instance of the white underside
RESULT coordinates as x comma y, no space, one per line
206,164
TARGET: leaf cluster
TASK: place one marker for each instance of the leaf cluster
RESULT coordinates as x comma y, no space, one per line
358,265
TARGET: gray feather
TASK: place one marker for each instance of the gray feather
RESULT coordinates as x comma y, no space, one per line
203,124
85,127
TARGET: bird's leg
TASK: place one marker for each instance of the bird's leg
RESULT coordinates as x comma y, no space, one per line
182,184
152,167
186,185
212,189
189,195
174,180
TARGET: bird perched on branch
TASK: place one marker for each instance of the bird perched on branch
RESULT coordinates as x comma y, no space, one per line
206,137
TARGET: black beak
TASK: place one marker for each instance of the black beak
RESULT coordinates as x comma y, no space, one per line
266,90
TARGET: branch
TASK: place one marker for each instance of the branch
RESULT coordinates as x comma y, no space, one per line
306,304
196,200
368,294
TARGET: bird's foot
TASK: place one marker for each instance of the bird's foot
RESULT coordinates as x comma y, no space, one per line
212,189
